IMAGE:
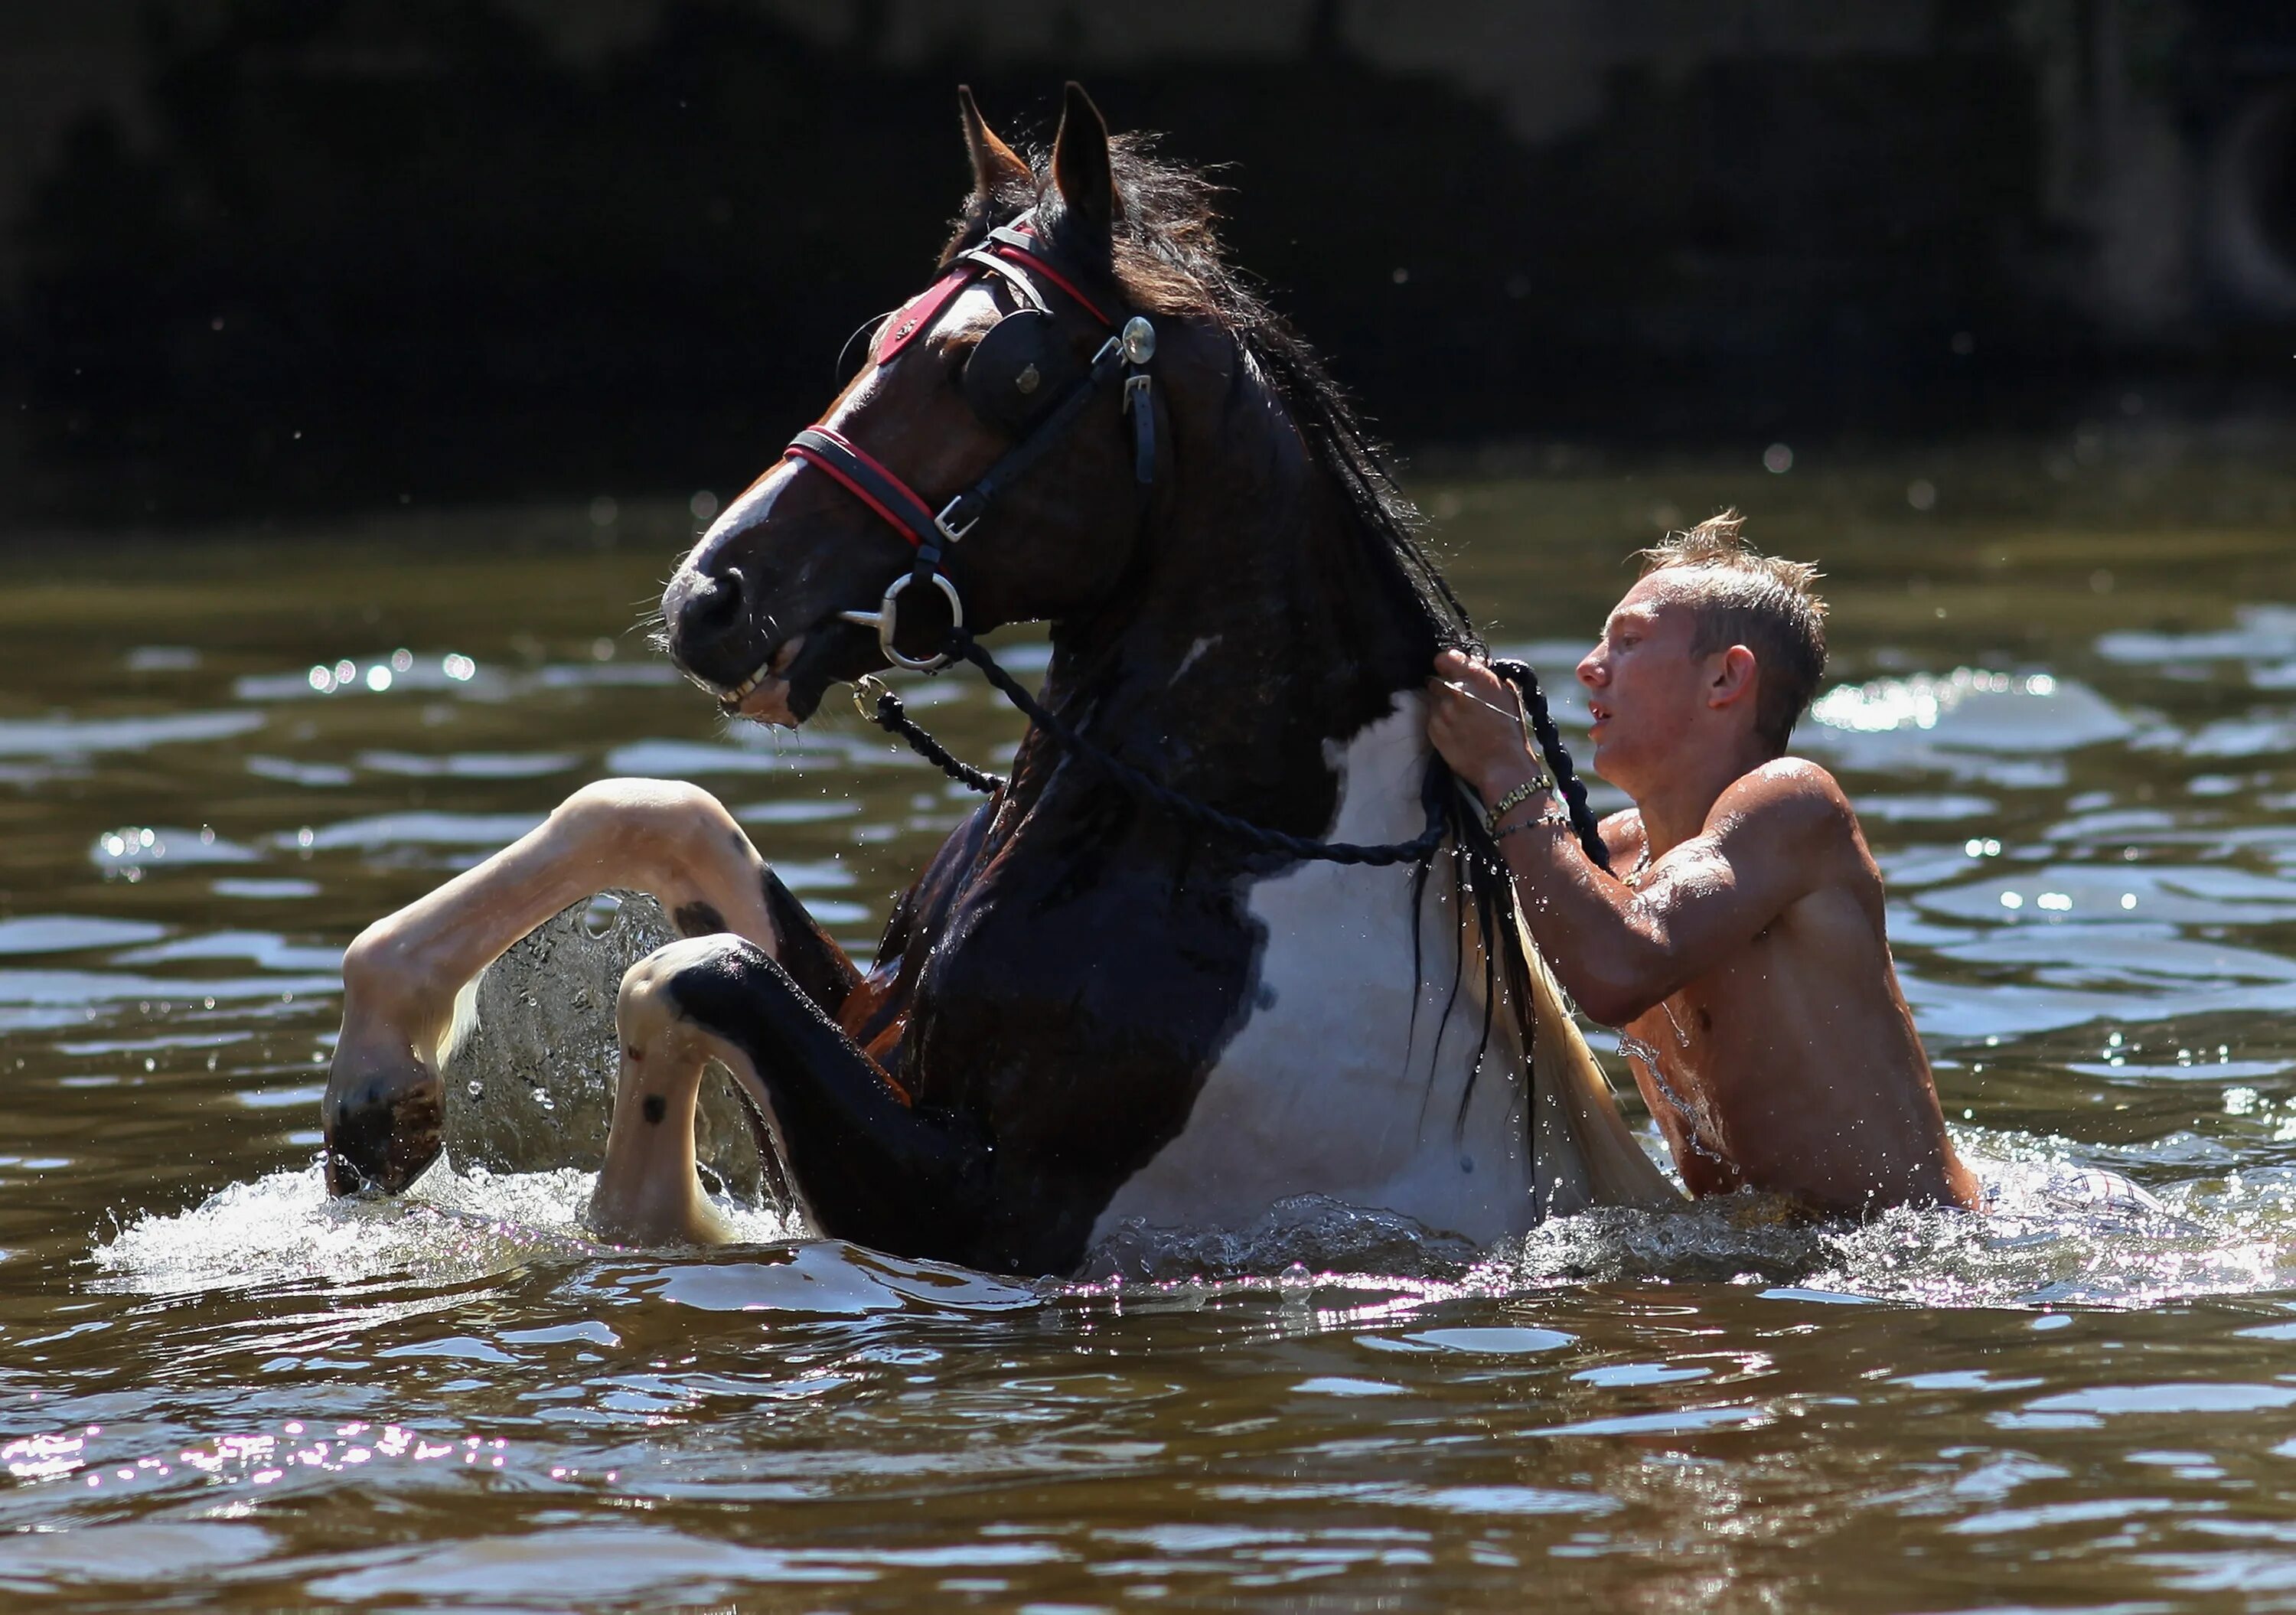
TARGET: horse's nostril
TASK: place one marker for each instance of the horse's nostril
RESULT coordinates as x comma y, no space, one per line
713,602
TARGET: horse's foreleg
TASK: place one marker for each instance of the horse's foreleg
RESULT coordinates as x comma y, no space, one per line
383,1109
866,1165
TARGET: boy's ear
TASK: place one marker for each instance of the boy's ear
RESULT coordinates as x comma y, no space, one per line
1735,674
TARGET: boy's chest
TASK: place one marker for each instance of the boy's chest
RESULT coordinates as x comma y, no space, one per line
1700,1054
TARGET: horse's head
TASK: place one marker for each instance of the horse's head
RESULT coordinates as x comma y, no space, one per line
1019,342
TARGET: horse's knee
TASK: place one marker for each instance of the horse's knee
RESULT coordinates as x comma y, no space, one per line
668,817
383,970
647,1007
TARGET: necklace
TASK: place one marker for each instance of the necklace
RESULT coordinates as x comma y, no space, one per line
1694,1118
1642,866
1695,1121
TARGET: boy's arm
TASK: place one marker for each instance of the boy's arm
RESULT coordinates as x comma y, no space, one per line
1768,841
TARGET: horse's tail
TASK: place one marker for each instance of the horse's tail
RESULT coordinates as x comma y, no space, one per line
1580,1148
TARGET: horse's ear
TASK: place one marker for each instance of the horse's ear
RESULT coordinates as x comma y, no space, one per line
1080,171
997,167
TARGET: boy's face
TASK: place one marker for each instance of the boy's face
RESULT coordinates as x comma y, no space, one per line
1645,692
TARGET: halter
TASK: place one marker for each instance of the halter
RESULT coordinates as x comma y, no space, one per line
1014,255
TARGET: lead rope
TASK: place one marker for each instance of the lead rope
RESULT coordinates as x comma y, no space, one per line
1558,759
888,714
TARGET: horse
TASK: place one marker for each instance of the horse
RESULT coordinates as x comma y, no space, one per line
1090,1011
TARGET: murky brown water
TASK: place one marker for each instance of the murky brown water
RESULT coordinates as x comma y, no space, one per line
2066,701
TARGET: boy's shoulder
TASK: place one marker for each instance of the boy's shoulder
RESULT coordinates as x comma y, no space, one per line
1792,794
1622,833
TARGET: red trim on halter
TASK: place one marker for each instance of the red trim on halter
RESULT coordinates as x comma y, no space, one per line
1037,263
916,315
906,528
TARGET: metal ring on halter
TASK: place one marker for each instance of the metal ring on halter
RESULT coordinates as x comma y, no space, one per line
866,690
885,618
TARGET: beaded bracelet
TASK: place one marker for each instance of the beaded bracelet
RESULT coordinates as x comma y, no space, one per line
1516,798
1557,816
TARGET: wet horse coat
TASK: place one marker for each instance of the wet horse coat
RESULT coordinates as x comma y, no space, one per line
1085,1011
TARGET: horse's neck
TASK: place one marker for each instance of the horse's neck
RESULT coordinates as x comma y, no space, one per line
1259,626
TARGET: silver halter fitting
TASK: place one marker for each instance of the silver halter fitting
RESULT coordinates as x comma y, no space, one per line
886,619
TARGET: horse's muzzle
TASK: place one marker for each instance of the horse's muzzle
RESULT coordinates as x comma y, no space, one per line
381,1130
708,616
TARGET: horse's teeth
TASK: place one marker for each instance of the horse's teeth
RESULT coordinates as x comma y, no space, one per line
741,691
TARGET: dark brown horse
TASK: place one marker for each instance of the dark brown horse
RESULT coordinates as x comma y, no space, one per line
1089,1009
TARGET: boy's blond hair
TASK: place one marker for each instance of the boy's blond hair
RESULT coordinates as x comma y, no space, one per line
1742,597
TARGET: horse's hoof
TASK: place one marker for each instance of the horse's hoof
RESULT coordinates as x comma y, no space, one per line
382,1131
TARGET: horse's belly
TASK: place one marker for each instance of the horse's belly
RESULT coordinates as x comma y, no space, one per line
1350,1079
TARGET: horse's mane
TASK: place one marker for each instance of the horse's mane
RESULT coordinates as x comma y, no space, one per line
1169,258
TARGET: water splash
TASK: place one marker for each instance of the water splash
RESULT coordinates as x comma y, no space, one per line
1305,1232
452,1227
2040,1244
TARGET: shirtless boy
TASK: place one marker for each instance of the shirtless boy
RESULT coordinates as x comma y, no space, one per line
1741,951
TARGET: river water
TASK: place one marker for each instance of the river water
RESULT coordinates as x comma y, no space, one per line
2063,695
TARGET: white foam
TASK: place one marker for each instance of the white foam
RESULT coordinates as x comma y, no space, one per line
2037,1246
451,1227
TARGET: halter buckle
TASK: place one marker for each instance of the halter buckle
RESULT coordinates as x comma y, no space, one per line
953,534
886,620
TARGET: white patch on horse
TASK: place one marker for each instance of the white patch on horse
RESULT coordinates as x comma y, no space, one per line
755,504
1333,1087
1189,660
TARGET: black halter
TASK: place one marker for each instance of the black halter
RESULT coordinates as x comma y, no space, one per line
1012,372
1016,367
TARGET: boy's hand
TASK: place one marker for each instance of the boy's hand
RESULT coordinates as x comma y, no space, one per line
1475,721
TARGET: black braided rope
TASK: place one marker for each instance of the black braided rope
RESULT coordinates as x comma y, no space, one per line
1417,850
1558,759
889,715
892,717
